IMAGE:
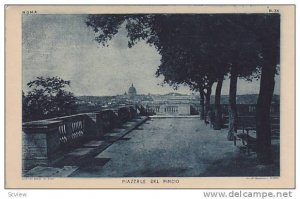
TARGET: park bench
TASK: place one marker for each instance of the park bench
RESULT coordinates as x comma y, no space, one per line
246,131
246,125
247,140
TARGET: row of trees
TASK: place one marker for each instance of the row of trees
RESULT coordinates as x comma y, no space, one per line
47,98
199,50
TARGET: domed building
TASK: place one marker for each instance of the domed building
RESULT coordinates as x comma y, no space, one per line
132,92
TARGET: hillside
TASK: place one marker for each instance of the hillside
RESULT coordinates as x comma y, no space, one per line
244,99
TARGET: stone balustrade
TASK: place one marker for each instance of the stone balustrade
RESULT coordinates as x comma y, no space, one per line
46,140
124,114
106,120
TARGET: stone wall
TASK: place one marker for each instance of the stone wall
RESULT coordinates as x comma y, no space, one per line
124,114
40,143
46,140
106,121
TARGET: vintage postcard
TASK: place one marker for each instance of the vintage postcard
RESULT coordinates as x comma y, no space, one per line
150,96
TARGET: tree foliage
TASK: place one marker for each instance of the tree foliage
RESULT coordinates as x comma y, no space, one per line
198,47
47,98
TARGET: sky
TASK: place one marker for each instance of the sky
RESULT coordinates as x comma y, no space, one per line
63,46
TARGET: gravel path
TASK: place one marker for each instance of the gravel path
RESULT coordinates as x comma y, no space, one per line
181,147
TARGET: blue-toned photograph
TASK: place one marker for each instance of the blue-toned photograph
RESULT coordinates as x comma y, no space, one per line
150,95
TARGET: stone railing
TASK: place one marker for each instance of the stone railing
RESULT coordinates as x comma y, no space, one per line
45,140
71,130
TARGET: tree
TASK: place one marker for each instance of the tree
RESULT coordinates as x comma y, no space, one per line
266,28
180,67
244,62
47,99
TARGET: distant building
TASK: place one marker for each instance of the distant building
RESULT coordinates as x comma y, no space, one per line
170,104
132,92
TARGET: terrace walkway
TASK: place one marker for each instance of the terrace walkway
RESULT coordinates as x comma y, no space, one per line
173,147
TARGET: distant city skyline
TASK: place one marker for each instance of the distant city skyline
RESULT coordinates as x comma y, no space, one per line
62,45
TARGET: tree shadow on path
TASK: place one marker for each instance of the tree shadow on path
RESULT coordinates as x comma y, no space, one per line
240,164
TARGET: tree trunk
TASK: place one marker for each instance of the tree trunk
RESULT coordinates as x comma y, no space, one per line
232,103
202,113
263,121
207,102
218,109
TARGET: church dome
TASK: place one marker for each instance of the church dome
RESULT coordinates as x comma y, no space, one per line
132,90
